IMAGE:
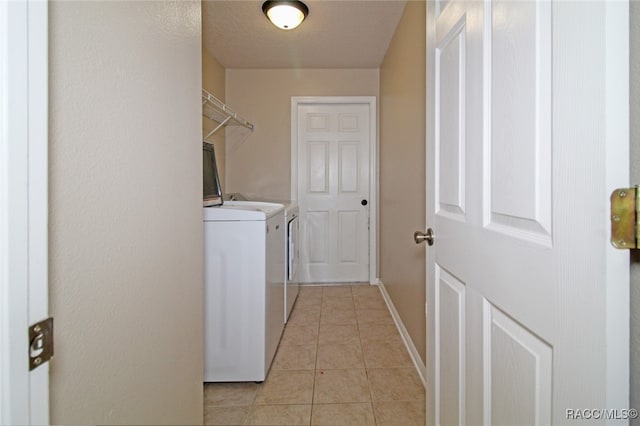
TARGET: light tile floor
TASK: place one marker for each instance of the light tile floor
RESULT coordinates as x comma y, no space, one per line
341,361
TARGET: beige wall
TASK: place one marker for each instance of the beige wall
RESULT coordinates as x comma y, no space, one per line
402,175
259,164
125,212
634,97
213,82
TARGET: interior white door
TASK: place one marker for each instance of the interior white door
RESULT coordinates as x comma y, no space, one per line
527,302
333,192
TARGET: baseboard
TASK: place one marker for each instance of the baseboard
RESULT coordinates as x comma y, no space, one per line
413,352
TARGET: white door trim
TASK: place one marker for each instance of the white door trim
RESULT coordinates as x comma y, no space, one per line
297,101
24,395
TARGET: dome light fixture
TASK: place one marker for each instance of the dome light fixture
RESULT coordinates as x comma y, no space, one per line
285,14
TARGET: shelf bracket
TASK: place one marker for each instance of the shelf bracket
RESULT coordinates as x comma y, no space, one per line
224,122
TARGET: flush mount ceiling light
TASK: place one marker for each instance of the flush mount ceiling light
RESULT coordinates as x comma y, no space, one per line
285,14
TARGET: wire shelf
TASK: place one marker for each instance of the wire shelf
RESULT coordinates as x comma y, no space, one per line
216,110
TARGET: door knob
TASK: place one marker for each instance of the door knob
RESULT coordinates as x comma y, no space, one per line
364,202
420,237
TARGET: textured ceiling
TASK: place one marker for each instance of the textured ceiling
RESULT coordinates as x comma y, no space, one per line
336,34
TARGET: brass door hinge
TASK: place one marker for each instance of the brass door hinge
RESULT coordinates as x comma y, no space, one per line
625,229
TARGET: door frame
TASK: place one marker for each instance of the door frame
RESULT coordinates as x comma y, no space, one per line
24,395
370,101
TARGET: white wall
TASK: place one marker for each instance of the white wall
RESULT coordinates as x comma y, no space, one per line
125,212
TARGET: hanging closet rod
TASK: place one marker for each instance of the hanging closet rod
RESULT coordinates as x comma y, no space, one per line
216,110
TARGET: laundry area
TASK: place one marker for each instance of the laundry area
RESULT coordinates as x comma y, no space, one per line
298,329
250,276
278,354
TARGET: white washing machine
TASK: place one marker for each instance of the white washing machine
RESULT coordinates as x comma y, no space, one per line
243,289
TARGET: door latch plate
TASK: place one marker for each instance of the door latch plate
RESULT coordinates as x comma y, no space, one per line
625,203
40,343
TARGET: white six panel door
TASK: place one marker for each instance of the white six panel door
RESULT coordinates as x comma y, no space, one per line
524,291
333,181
